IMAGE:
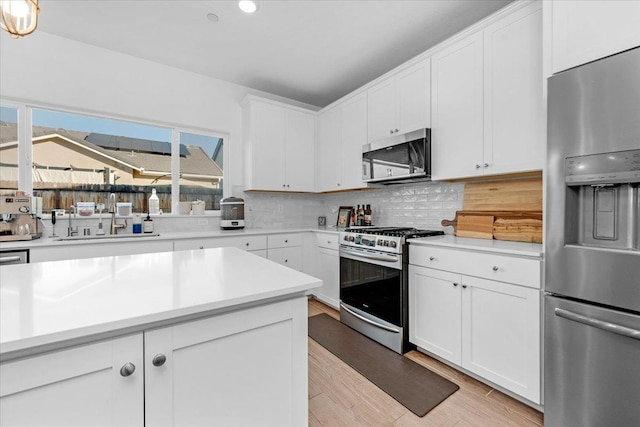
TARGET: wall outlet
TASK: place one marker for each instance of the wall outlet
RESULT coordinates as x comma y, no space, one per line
203,221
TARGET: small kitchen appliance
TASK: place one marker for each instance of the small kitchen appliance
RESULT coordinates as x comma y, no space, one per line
20,218
231,213
374,267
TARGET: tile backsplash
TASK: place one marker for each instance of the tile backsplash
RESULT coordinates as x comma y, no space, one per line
421,205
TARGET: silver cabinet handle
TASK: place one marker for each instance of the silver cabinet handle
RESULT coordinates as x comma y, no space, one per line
10,259
286,241
455,284
477,166
495,268
159,359
396,130
600,324
371,322
464,286
391,131
431,258
201,247
127,369
486,165
247,244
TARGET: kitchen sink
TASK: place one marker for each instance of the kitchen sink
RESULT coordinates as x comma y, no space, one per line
108,237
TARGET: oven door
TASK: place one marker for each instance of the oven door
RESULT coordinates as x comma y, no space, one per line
371,281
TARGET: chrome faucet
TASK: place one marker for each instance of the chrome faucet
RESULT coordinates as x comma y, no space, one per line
71,231
112,210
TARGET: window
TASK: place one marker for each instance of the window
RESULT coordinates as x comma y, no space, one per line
80,158
201,158
8,150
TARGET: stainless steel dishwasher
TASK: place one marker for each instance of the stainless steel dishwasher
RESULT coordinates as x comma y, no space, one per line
14,257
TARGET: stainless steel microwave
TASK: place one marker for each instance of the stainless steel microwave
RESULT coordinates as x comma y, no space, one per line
399,158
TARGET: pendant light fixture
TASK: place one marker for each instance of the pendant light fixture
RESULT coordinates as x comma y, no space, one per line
19,17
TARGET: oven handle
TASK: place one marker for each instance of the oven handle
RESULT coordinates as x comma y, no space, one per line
371,322
373,257
600,324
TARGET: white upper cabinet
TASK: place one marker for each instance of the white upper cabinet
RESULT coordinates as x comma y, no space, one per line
457,108
514,137
583,31
279,146
342,131
400,103
487,100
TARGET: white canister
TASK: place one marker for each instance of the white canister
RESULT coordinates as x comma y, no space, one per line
197,207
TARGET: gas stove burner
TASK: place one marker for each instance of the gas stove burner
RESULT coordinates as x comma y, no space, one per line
407,232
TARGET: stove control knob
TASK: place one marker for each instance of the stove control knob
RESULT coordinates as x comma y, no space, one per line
393,244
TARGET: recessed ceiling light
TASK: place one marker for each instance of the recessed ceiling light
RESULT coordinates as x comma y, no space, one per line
247,6
212,17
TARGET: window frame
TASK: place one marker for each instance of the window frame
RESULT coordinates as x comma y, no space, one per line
25,146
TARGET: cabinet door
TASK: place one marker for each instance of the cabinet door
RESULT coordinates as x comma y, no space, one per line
81,386
329,172
513,100
584,31
501,334
289,257
354,136
413,97
457,109
244,368
381,110
329,272
434,312
267,146
299,157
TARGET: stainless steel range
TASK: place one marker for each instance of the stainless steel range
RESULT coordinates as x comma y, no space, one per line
374,284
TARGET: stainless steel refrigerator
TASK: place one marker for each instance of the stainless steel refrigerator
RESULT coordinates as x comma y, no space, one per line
592,252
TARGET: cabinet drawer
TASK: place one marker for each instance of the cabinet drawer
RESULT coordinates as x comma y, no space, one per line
504,268
284,240
289,257
329,241
249,243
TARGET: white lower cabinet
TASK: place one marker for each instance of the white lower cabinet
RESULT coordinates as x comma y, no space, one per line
487,327
327,268
79,386
248,243
285,249
242,368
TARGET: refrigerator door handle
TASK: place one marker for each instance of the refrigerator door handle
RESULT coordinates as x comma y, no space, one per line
600,324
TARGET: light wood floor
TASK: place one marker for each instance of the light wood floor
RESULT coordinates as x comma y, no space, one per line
340,396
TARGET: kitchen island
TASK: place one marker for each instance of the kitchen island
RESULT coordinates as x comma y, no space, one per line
203,337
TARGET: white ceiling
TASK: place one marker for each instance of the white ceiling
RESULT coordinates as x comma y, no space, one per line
310,51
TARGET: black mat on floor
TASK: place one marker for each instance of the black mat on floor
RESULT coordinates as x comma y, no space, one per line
414,386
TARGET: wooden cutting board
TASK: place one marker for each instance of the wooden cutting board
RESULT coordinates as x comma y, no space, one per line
512,195
518,230
521,226
478,226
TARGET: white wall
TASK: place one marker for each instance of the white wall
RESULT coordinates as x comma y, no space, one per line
56,72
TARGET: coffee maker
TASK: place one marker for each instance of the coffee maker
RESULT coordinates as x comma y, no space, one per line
20,218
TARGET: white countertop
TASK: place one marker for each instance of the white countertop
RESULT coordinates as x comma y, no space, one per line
46,303
169,235
486,245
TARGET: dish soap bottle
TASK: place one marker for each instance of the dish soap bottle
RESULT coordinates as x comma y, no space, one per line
154,203
147,226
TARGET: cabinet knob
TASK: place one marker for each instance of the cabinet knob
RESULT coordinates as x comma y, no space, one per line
286,241
486,165
338,184
286,260
201,247
287,185
455,284
391,131
396,131
495,268
329,241
159,359
431,258
464,286
247,244
283,185
127,369
477,166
